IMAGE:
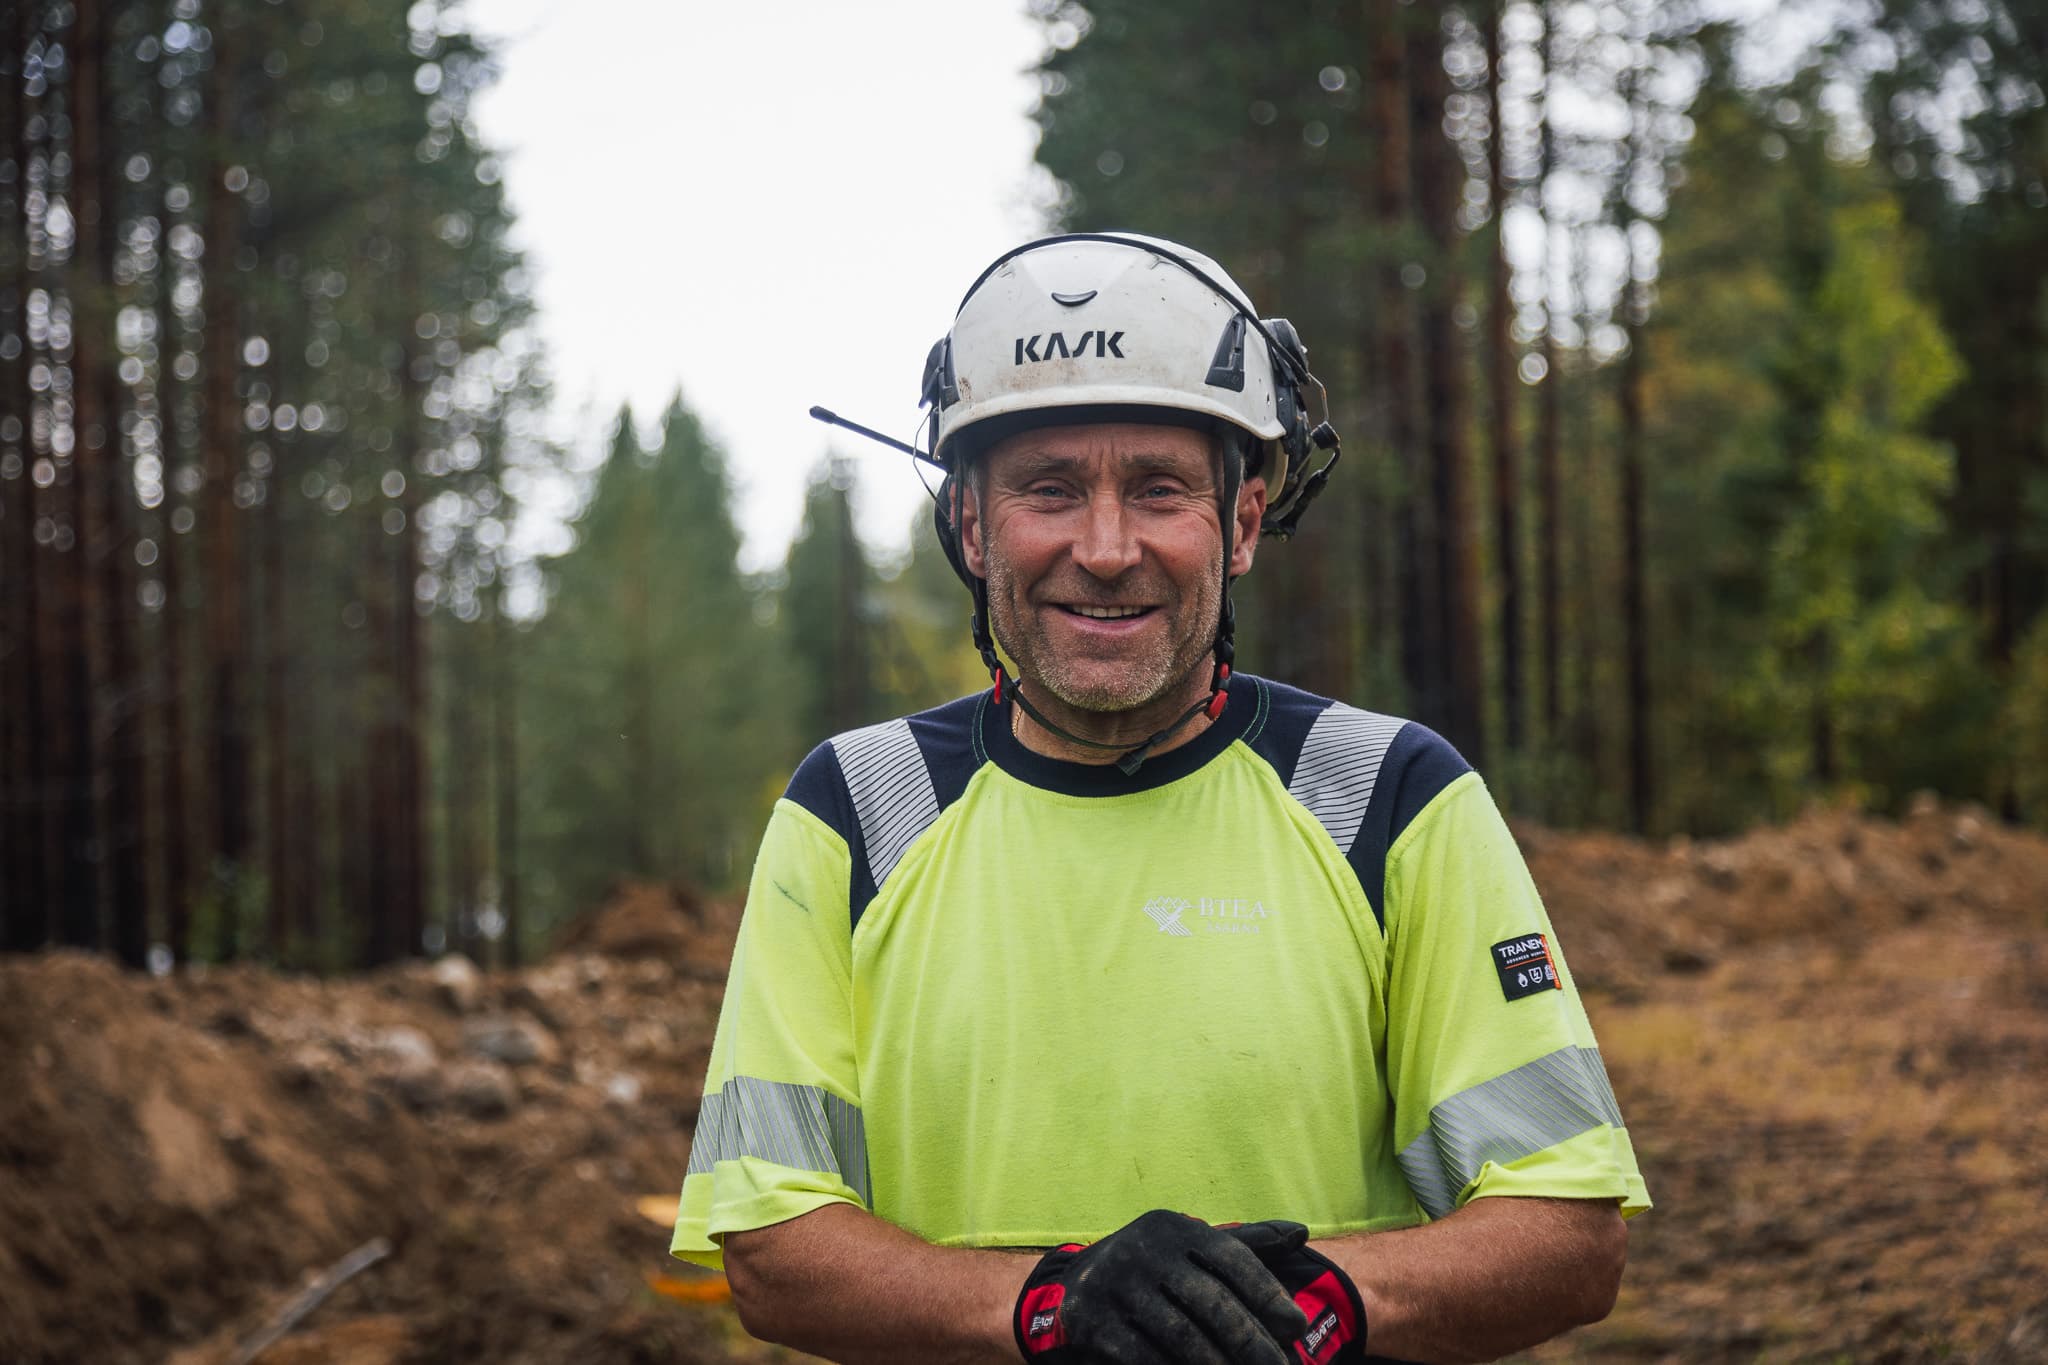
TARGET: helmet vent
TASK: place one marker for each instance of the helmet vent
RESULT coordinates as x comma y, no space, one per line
1226,371
1073,300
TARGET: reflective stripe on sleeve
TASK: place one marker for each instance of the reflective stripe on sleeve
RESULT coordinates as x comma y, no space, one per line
1516,1114
800,1126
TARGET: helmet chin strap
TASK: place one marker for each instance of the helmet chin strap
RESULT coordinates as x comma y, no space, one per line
1224,649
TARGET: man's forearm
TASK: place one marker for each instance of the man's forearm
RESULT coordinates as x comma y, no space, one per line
1497,1276
841,1283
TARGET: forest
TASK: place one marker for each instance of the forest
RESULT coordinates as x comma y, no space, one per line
1693,369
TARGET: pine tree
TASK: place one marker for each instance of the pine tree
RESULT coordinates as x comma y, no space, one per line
654,745
829,611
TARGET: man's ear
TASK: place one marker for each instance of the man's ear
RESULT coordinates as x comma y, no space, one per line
970,531
1251,510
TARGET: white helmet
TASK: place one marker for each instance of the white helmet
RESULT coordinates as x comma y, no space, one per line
1095,327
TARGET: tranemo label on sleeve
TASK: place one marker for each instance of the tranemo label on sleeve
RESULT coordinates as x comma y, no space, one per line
1525,966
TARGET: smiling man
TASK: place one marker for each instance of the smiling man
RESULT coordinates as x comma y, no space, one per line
1137,1010
1103,557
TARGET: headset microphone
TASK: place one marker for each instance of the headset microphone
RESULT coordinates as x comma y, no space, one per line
831,418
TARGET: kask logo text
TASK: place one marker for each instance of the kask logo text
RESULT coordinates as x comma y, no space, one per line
1057,347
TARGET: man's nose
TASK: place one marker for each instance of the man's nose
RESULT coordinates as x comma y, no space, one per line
1108,543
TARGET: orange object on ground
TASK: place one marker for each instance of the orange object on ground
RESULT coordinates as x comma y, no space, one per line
695,1289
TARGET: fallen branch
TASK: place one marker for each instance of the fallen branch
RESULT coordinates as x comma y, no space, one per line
311,1297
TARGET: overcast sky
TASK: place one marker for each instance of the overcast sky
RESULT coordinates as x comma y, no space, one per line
764,206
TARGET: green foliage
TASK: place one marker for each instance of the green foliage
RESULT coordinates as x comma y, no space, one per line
2023,725
1796,364
927,655
652,746
829,611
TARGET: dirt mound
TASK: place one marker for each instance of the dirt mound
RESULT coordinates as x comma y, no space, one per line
1630,912
153,1175
179,1153
1831,1040
669,921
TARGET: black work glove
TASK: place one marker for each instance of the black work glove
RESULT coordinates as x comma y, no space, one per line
1161,1290
1325,1294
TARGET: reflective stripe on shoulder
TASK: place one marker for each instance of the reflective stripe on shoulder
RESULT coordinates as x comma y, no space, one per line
804,1127
1339,765
892,791
1516,1114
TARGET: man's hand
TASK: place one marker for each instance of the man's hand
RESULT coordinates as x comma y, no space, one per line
1336,1313
1164,1288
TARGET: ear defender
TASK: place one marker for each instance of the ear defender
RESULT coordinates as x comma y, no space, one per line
1289,402
945,523
940,388
1299,487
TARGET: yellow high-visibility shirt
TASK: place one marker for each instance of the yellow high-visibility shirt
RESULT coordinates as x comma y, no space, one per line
1294,968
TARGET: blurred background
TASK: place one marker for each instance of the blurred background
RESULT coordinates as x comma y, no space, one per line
413,547
408,529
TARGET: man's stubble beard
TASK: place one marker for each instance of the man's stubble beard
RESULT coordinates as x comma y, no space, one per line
1141,680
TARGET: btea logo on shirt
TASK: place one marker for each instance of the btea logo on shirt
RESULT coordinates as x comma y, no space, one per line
1184,917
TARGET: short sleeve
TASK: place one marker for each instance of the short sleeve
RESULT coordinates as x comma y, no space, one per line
780,1131
1498,1084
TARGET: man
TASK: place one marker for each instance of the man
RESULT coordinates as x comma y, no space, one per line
1133,1010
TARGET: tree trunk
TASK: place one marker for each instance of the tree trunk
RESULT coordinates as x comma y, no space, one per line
119,776
1588,710
280,755
229,842
311,814
376,893
403,891
413,701
364,912
1500,375
84,774
465,778
504,672
23,924
1549,442
1439,186
1634,613
174,796
1416,557
1417,590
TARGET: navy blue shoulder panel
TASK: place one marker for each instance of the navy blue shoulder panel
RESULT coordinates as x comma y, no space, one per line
819,786
1419,764
1289,714
881,786
945,735
1363,775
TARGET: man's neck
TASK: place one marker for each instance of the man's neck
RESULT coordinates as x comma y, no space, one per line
1121,730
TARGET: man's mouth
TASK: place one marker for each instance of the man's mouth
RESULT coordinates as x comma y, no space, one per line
1101,613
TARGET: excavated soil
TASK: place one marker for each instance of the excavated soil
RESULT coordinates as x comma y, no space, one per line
1831,1041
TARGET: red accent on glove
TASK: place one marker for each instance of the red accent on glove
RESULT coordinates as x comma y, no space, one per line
1038,1319
1331,1323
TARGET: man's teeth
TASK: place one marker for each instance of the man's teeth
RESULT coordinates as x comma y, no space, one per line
1108,613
